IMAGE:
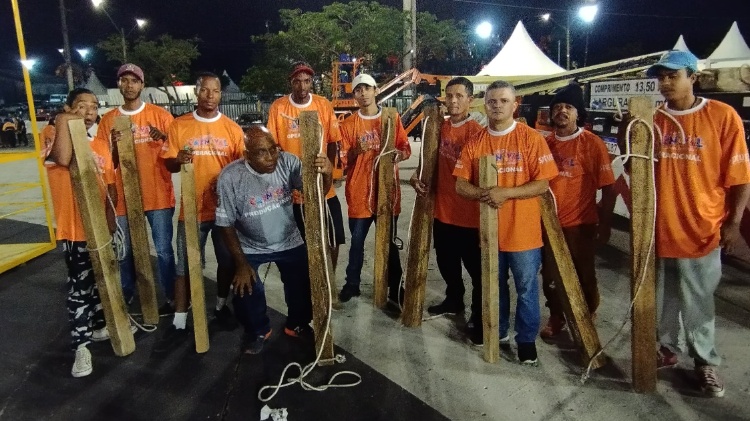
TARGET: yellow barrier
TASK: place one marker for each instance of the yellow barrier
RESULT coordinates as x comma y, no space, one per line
23,196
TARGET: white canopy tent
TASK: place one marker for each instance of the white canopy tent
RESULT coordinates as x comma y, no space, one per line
520,57
731,52
680,45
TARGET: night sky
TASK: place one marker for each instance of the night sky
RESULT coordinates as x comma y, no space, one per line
225,26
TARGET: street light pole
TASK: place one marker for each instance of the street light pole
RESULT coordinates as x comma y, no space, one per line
66,47
567,42
124,46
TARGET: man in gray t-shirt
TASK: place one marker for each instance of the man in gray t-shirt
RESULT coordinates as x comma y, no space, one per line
257,223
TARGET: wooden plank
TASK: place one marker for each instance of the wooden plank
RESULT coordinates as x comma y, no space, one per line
197,294
420,234
86,187
144,271
490,264
643,265
569,287
319,261
384,208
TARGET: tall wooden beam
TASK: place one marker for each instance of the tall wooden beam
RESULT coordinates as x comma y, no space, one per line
319,263
490,263
384,208
144,272
420,234
86,189
569,287
195,269
643,274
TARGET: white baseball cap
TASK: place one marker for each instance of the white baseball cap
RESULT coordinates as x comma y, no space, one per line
363,78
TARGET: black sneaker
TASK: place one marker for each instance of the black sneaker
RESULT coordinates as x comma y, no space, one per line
166,309
527,354
171,339
347,292
225,318
476,335
253,344
446,307
304,331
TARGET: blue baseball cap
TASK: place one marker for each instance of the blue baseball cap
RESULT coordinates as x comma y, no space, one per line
674,60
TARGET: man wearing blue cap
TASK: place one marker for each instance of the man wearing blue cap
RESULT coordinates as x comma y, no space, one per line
702,185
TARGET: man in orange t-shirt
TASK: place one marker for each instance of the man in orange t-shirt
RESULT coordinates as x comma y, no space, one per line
283,123
149,125
84,305
524,168
211,141
702,189
456,224
583,162
360,148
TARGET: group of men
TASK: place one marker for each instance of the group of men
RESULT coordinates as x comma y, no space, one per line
248,189
13,132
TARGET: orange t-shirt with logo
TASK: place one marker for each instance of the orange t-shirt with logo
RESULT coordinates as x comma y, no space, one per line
694,174
450,207
215,143
583,162
47,138
521,156
67,215
361,181
283,123
157,190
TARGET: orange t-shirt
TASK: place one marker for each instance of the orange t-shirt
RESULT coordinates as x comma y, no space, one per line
157,190
450,208
283,123
521,156
583,162
47,138
215,143
361,180
693,176
67,216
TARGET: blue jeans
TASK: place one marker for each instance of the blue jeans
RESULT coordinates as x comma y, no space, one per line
251,310
160,221
358,227
525,267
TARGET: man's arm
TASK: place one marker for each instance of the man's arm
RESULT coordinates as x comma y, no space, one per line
468,190
62,148
496,196
730,230
606,208
244,275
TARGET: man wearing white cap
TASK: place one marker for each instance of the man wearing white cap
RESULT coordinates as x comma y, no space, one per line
150,123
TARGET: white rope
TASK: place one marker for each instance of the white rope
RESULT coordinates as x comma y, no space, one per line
650,254
306,370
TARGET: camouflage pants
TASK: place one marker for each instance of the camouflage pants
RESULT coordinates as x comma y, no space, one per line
84,307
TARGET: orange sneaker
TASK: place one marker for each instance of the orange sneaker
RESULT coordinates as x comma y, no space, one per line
555,325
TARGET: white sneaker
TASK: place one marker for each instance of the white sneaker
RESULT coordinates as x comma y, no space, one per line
101,335
82,365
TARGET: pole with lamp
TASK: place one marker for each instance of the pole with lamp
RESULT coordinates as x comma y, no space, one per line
484,31
139,23
587,14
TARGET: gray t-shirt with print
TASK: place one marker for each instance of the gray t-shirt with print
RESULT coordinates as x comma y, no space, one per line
259,206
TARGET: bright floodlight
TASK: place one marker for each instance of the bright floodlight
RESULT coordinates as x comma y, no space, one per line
83,52
545,17
484,30
588,13
97,3
61,51
141,22
28,63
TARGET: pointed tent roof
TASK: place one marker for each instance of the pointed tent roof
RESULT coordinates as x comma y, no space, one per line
231,86
680,45
95,85
520,57
733,46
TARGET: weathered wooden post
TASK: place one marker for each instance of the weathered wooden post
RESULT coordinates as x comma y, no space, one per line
420,234
195,269
144,272
86,189
320,265
643,268
490,263
568,286
384,208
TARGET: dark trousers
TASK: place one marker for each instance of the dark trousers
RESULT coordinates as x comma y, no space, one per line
581,242
84,306
454,245
359,227
251,310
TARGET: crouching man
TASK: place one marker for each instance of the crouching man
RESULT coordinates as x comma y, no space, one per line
257,222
